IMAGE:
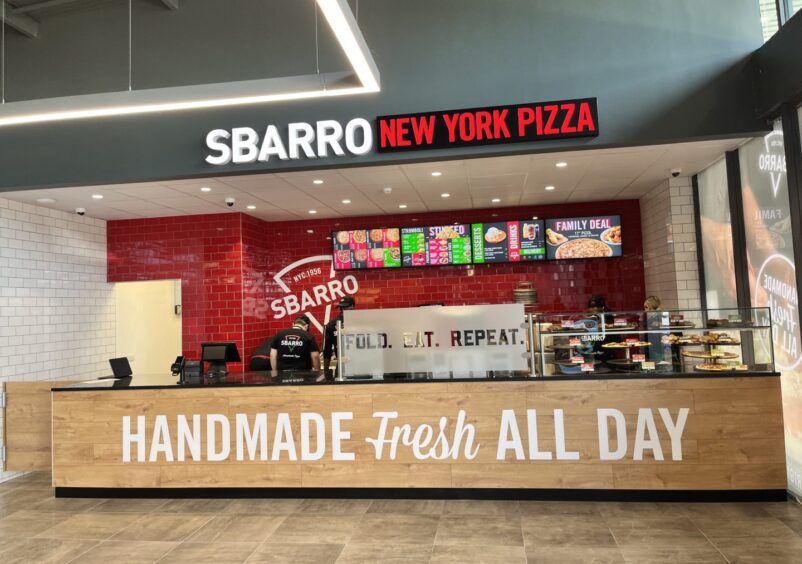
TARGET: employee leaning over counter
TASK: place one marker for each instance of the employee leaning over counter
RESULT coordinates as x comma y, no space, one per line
330,334
295,348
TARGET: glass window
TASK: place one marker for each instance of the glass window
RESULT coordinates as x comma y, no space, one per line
769,18
719,264
772,274
796,5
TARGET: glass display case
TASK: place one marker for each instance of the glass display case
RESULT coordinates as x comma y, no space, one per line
667,342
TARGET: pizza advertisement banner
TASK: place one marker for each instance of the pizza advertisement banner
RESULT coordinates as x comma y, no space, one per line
583,237
366,248
772,276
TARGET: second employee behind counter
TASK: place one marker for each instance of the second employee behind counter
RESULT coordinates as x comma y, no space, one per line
295,348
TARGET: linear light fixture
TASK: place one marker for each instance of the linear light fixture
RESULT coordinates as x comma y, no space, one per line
363,78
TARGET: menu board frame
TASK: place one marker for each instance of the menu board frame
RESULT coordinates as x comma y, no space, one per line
368,248
551,250
510,236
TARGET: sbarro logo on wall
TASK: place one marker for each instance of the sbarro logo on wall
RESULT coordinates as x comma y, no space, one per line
326,291
326,138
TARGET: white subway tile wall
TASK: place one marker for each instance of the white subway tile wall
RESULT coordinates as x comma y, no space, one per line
56,308
669,244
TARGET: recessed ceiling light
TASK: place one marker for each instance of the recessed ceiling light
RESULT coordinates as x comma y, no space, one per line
310,230
251,207
97,196
437,173
549,188
534,217
45,200
346,201
317,181
561,164
387,190
445,195
402,206
496,200
206,189
313,211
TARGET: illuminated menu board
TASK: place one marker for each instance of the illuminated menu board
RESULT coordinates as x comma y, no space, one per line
367,248
583,237
508,241
440,245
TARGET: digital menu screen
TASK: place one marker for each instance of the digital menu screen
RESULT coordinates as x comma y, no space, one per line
510,241
431,246
367,248
583,237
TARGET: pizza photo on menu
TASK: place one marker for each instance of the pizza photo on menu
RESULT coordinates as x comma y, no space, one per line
366,249
584,237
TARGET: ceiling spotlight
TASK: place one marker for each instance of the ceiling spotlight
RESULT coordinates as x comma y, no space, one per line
206,189
561,164
45,201
313,212
346,201
251,207
402,206
387,190
317,181
310,230
437,173
534,217
549,188
496,200
97,196
445,195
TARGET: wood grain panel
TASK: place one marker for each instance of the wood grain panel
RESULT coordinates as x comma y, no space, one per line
27,425
733,437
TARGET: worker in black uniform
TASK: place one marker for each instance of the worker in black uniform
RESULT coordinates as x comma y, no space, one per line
295,348
330,334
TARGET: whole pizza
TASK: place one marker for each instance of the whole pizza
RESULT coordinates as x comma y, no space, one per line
583,248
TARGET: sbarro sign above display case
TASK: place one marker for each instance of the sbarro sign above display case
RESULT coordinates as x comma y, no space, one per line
440,340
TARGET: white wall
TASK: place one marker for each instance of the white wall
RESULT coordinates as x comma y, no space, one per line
56,308
669,244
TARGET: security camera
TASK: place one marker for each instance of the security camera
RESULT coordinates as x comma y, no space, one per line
675,172
230,202
80,211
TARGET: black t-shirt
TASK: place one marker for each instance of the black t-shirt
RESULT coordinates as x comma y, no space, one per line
330,338
294,348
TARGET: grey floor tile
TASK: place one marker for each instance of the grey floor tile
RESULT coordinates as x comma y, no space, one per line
673,532
69,504
296,553
264,506
652,555
90,526
539,508
395,529
795,524
41,551
164,528
129,552
783,509
384,553
27,523
566,531
763,551
477,554
334,506
479,530
315,529
769,528
237,528
207,506
637,510
128,506
573,555
480,507
408,506
210,552
725,511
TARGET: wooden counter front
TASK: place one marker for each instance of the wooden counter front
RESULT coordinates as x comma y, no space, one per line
732,438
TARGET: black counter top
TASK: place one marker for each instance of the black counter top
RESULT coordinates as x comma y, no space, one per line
309,378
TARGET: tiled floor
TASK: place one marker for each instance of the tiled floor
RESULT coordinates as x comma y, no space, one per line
35,527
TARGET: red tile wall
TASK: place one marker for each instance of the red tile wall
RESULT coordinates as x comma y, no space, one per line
204,252
227,265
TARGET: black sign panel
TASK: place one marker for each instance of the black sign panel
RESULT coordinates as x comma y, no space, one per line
492,125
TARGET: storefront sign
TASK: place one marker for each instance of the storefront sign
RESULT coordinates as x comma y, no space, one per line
316,301
537,121
435,339
269,437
